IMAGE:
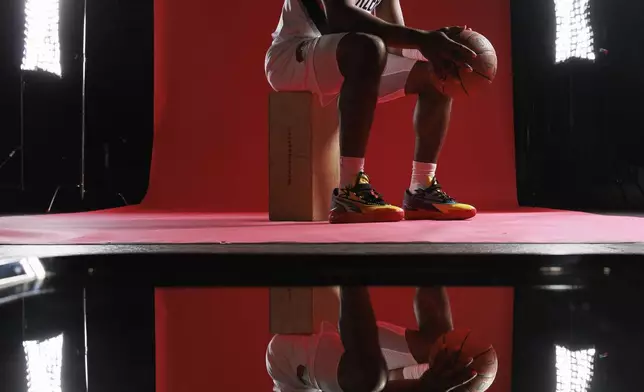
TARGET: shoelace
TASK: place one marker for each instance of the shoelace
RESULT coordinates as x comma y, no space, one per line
435,190
367,193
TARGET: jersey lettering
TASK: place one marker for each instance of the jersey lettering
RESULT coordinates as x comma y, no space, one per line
368,5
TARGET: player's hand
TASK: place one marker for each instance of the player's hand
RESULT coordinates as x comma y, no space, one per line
445,54
448,372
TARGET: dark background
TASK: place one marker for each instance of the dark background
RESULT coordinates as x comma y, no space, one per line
116,327
578,133
119,99
578,128
606,318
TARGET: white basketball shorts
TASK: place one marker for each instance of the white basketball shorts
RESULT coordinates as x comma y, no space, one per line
316,69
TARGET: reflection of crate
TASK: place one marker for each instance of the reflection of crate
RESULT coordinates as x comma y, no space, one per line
301,310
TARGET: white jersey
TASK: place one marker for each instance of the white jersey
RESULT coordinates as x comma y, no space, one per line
309,363
307,18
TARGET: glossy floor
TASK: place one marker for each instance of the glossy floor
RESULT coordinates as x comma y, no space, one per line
178,340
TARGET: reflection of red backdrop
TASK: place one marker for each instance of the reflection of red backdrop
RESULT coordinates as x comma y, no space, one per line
215,339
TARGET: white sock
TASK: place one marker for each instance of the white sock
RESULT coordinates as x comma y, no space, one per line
349,169
422,175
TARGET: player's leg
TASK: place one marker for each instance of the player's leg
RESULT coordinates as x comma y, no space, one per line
361,59
362,367
350,360
350,66
425,199
433,316
407,350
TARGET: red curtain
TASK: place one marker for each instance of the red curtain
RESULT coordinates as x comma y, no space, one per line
211,136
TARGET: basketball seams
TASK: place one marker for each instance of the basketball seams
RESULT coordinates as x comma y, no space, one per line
482,42
482,353
484,357
484,67
461,82
482,75
460,350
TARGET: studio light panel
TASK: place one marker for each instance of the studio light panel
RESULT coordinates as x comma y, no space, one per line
574,38
42,43
574,369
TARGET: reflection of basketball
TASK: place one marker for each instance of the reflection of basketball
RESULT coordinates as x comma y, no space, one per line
484,66
471,345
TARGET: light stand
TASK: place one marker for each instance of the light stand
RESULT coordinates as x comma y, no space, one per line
21,146
41,23
83,56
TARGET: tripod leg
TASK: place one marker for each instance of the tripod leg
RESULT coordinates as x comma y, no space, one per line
53,199
122,198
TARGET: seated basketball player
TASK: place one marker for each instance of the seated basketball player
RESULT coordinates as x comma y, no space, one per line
361,52
369,356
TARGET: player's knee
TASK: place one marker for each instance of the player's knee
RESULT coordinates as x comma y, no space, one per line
362,376
361,54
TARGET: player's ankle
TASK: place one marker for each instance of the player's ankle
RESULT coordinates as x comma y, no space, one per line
422,175
350,167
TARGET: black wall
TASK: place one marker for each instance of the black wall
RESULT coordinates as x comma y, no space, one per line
607,318
115,326
579,131
120,96
118,114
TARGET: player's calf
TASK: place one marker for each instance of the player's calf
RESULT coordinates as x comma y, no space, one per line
361,60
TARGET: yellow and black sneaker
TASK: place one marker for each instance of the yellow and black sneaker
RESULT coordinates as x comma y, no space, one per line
432,203
360,203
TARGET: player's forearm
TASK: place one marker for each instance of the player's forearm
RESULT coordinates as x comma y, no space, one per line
351,19
433,312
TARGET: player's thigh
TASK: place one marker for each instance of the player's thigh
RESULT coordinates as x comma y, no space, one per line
306,363
329,78
306,65
326,70
287,359
328,357
394,78
312,65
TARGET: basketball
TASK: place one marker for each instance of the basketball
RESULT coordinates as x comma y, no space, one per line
484,67
470,345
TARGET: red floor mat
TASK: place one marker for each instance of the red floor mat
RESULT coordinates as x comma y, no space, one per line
132,226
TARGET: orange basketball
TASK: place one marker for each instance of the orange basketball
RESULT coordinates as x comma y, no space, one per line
484,67
470,345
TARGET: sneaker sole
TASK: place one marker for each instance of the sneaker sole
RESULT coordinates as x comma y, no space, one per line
434,215
355,217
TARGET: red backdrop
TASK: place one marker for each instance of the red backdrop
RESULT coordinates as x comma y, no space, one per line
215,339
211,133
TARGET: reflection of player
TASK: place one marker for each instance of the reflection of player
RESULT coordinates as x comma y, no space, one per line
369,356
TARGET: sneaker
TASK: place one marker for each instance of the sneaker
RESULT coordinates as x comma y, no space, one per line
360,203
433,204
